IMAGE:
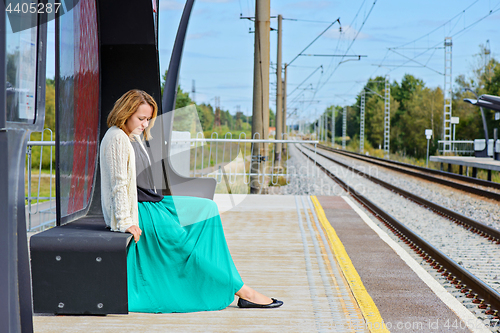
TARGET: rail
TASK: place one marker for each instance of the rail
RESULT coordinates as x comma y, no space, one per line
426,173
470,285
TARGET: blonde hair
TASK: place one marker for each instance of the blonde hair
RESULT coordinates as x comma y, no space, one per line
127,105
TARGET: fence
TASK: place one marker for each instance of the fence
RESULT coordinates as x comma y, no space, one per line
231,159
226,159
459,148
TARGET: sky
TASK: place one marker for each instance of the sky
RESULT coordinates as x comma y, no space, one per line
219,49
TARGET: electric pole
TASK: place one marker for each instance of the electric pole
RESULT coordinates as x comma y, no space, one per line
284,108
487,56
217,122
387,117
326,128
344,128
279,94
333,127
448,95
193,92
260,114
362,123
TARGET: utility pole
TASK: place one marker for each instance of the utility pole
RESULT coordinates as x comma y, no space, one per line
326,128
487,56
260,114
284,107
279,94
387,118
362,123
447,92
193,92
217,122
320,127
344,127
333,127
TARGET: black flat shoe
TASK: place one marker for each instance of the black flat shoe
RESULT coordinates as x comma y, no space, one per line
247,304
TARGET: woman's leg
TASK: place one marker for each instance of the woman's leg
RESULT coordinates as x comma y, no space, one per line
253,296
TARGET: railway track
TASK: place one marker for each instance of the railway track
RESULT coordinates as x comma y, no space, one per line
480,187
483,291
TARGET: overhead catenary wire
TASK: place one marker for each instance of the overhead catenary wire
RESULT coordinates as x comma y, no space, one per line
439,27
314,40
301,20
307,78
349,47
433,47
413,60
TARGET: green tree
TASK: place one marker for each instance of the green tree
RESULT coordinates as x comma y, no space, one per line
492,81
419,116
182,98
403,93
206,114
272,118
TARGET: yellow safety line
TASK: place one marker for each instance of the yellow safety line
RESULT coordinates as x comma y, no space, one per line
346,311
368,308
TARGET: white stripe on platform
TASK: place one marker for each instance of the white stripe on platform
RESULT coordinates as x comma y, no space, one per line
310,279
335,309
473,323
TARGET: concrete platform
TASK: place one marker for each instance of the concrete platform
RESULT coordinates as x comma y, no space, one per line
279,250
322,256
408,298
469,161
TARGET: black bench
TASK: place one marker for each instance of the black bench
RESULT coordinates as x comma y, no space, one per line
80,268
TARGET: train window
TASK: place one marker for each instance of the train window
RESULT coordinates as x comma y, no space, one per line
21,57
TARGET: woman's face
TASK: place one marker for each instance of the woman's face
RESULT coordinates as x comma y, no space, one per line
138,122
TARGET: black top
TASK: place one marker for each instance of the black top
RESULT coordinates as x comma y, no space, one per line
146,191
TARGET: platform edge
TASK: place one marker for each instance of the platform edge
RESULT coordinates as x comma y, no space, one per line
368,308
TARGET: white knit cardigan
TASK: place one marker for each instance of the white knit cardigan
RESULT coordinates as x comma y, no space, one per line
118,182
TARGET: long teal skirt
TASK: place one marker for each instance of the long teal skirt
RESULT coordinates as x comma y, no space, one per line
181,262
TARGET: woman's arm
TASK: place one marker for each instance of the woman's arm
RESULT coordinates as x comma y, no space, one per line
117,160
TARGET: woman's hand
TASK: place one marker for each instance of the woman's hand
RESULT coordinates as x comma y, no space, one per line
136,231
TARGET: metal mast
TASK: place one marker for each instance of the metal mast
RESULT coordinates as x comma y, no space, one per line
333,127
447,95
325,129
387,118
362,124
317,130
193,92
279,94
344,127
284,111
321,128
487,56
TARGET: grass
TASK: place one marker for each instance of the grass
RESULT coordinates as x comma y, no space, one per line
45,183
